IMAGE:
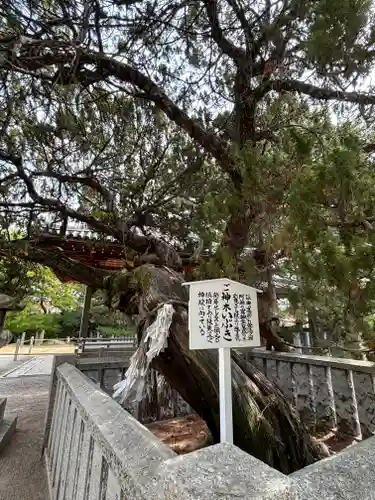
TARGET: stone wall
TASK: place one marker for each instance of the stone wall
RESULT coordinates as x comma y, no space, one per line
326,391
96,450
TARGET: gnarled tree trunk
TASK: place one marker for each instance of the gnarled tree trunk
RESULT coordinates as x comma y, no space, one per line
265,424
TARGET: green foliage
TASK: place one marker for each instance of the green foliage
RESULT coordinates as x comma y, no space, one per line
338,35
116,331
17,277
31,323
43,296
48,288
97,140
65,324
332,242
100,322
68,323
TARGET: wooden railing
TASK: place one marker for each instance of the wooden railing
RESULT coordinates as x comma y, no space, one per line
105,346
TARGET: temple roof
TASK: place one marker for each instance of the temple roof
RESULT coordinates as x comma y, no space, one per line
102,252
84,245
99,253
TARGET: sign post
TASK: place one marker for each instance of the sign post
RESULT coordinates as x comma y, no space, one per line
223,314
225,394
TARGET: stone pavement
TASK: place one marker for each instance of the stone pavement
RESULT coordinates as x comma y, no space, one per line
39,365
22,474
7,363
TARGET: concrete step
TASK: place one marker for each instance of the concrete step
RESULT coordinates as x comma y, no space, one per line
3,403
7,429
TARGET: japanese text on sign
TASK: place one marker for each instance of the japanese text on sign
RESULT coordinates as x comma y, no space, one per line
222,313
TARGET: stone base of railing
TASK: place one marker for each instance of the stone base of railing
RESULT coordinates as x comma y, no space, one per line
96,449
8,426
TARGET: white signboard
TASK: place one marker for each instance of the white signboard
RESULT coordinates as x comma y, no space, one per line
222,313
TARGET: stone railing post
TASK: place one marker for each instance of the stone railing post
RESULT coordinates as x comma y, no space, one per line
58,360
326,390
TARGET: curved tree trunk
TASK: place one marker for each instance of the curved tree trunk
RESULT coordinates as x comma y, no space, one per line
265,424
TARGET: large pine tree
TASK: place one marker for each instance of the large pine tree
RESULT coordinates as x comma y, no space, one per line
157,123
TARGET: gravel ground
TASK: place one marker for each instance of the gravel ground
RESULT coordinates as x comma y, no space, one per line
22,474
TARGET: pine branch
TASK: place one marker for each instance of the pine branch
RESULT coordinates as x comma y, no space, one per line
208,140
57,53
76,179
369,148
10,158
121,231
140,243
245,25
324,94
228,48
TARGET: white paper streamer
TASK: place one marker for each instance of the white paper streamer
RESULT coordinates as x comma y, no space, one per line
155,340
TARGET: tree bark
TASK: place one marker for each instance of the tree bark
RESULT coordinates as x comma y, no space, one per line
265,424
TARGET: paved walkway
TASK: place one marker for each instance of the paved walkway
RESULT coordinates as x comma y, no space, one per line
39,365
7,362
22,474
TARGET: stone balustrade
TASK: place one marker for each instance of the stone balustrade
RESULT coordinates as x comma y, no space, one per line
95,450
161,404
325,390
91,439
328,392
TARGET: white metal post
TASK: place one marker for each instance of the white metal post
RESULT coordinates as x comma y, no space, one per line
225,391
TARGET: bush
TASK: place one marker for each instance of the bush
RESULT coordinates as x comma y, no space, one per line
108,331
31,323
64,324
